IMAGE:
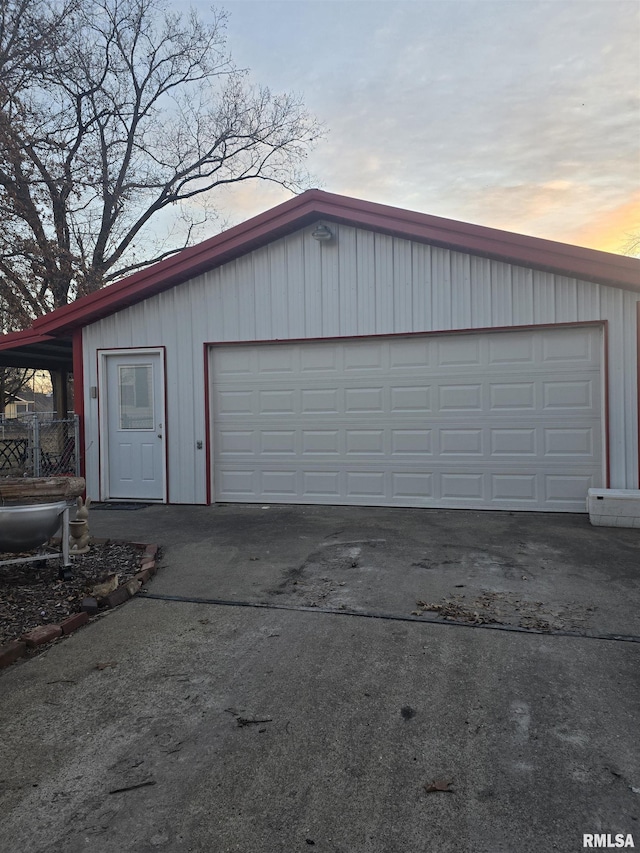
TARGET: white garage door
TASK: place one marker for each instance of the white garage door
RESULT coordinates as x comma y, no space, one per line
506,420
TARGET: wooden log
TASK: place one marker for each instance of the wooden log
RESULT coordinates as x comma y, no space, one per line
40,489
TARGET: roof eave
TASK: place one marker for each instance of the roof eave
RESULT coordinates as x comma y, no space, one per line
562,258
298,212
181,267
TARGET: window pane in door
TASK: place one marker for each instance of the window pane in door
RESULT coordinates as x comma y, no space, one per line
135,382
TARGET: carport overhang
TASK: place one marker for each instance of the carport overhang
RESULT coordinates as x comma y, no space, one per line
38,352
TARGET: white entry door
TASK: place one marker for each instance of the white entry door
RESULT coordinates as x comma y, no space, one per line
134,421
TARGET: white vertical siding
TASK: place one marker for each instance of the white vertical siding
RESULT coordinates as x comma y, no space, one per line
521,296
365,275
361,283
613,309
246,288
421,281
312,286
627,467
441,288
402,286
501,295
330,292
481,304
295,279
383,281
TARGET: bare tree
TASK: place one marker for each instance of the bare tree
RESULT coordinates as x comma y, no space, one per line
13,380
632,246
113,111
28,31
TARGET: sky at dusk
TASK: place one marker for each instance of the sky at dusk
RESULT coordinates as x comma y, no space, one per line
520,115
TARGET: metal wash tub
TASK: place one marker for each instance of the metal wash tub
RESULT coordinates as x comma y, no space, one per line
24,528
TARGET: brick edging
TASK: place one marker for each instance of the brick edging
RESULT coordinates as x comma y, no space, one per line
16,649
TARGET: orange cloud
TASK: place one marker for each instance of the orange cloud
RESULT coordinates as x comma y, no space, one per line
610,231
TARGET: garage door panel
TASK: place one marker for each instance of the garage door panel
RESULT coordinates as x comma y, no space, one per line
434,487
233,442
357,400
508,419
463,350
567,489
460,398
514,487
569,394
517,351
277,402
316,484
462,486
278,442
318,358
278,483
316,401
410,356
568,441
411,442
454,442
412,486
320,441
367,357
575,346
572,443
365,442
231,402
412,398
514,441
237,483
512,395
233,364
277,360
365,484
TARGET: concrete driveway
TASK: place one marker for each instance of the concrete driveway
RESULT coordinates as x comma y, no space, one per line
321,720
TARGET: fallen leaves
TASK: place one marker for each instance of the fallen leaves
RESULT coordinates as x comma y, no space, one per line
32,594
440,786
506,608
455,611
101,590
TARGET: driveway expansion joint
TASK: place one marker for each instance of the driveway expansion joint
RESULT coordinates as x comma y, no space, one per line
395,617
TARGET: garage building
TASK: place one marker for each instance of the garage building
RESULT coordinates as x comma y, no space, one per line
338,351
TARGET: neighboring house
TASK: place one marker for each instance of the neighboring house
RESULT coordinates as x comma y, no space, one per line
18,407
336,351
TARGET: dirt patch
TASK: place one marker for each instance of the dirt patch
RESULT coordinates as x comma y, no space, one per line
322,579
506,608
32,594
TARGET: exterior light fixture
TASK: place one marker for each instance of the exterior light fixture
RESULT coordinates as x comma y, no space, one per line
322,233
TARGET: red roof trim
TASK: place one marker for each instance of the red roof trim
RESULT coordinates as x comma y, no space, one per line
23,339
574,261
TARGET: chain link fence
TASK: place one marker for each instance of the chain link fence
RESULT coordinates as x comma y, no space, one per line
39,446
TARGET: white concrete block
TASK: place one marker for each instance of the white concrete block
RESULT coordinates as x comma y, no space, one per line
614,507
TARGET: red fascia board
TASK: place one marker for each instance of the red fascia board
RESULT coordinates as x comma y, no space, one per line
188,263
296,213
23,339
